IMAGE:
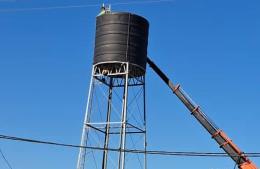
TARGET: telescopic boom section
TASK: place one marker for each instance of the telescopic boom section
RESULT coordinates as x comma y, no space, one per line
218,135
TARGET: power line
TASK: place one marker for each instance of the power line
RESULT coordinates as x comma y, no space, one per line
151,152
81,6
5,159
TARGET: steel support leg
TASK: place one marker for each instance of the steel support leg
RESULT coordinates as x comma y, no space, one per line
105,153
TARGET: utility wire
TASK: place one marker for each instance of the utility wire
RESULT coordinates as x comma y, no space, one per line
5,159
81,6
151,152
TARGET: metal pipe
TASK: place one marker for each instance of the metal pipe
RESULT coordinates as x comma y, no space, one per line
121,160
82,151
105,153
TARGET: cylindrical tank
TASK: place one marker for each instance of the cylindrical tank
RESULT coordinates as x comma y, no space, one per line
121,37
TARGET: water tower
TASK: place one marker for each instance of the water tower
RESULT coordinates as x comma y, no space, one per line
115,115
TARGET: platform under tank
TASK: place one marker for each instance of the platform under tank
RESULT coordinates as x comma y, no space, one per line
121,38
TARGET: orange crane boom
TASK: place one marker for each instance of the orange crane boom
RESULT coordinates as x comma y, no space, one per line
218,135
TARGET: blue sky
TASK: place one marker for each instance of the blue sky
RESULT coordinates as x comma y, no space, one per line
210,47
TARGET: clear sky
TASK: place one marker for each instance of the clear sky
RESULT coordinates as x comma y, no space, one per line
210,47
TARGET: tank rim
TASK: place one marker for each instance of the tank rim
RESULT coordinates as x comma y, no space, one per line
115,13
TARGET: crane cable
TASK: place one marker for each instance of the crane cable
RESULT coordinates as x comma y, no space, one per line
151,152
5,159
80,6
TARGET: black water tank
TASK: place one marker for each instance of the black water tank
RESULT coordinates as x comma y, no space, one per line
121,37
